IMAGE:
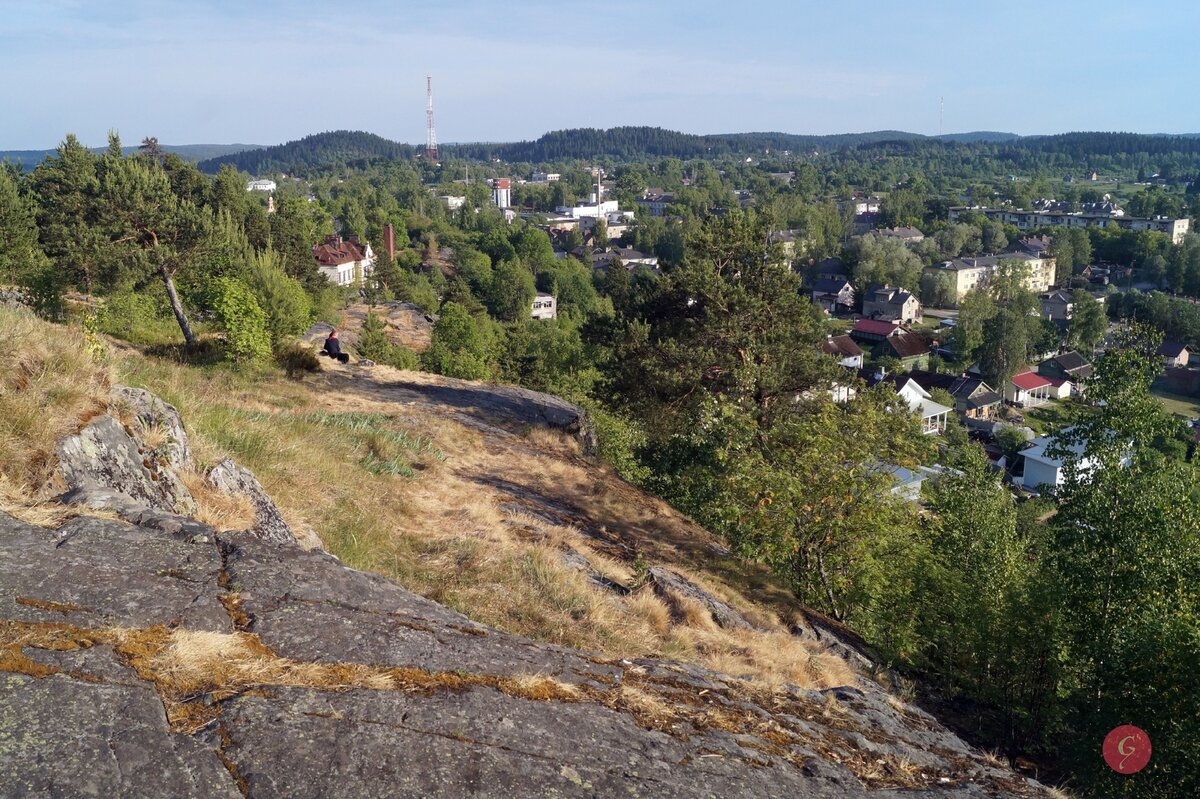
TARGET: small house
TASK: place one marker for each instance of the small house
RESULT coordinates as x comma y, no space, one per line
1068,365
833,296
1027,390
845,350
545,306
1174,354
891,304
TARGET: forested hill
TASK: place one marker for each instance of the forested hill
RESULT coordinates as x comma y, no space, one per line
332,148
340,148
28,159
639,142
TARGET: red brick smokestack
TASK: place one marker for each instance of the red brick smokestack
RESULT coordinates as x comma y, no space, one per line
389,240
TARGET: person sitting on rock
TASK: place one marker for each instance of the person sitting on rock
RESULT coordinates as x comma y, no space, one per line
333,348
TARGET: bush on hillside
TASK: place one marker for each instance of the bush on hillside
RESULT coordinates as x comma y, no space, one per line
244,321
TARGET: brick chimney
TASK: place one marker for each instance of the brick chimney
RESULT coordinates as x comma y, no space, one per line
389,240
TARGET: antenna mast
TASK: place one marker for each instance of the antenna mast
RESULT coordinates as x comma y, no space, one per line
941,114
431,148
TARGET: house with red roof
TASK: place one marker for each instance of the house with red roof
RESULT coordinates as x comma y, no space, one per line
344,262
1028,390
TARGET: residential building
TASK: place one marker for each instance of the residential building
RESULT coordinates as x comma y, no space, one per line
906,347
1037,246
545,306
545,177
502,192
845,350
590,209
1027,390
908,235
1061,388
1174,354
1058,217
834,296
452,202
260,185
932,414
630,258
873,331
1043,470
973,398
1066,366
1057,305
655,201
891,304
970,273
344,262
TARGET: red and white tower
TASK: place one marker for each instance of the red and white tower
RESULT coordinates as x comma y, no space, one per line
431,149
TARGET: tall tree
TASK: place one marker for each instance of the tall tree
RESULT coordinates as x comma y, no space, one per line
151,227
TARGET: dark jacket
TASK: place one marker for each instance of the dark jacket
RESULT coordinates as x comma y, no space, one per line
333,346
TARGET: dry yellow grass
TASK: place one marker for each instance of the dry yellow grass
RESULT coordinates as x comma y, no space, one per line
462,529
50,387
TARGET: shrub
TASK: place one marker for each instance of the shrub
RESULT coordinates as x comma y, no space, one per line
373,343
296,359
244,321
287,307
139,317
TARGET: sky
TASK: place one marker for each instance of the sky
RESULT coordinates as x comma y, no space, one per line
269,71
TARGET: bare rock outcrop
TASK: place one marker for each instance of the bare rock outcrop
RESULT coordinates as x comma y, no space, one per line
236,480
350,686
105,456
671,587
133,470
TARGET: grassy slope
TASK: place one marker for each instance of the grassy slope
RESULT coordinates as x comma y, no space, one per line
476,517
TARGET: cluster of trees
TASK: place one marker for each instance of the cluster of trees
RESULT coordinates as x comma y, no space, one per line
153,233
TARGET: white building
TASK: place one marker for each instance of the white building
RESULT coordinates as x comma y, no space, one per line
344,262
260,185
1042,470
453,202
502,192
593,210
545,177
545,306
933,414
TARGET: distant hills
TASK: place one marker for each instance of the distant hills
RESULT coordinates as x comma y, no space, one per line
350,148
343,147
28,159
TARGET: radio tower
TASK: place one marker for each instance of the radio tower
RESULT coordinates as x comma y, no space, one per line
431,152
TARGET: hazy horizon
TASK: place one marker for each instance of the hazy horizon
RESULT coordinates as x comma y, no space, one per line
220,72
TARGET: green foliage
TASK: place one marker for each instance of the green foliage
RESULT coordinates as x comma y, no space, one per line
618,441
373,343
296,359
139,317
461,345
243,320
287,307
510,297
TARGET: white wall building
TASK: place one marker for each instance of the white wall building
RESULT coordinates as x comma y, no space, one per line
452,202
545,306
260,185
502,192
590,209
545,177
344,262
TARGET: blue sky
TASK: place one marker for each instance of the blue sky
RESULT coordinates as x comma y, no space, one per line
267,71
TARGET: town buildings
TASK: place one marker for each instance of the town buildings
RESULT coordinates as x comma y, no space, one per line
1029,220
970,273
